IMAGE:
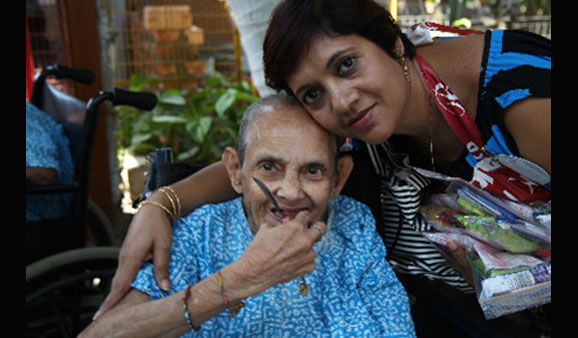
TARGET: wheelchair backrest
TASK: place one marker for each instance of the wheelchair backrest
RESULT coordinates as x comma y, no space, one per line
68,111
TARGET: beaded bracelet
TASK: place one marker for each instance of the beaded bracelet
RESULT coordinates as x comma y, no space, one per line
187,316
234,308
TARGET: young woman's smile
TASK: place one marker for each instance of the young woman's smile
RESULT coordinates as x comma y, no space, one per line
362,118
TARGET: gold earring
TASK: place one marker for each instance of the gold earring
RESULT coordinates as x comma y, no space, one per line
405,72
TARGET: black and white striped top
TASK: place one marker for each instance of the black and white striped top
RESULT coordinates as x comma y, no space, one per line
408,250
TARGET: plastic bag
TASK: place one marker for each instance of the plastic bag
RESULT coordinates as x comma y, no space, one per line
508,245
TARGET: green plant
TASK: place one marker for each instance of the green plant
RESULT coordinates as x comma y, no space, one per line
196,124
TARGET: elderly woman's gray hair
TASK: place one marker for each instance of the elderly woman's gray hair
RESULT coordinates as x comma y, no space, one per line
265,105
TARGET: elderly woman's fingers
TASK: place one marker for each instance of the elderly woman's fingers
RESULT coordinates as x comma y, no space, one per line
317,230
127,269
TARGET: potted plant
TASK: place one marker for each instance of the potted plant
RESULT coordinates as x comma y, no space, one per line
196,124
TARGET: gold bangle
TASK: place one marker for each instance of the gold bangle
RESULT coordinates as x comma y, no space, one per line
178,209
168,196
158,205
179,206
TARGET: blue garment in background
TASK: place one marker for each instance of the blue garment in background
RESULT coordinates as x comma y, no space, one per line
47,147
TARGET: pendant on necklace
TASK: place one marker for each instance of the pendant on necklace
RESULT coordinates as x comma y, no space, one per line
303,288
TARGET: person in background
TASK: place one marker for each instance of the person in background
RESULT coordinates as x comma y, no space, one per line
48,161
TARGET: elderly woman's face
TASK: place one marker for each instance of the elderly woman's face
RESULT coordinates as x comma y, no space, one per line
292,155
351,87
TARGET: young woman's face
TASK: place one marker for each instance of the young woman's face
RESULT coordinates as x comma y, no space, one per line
351,87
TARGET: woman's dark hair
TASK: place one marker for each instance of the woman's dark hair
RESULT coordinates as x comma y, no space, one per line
295,23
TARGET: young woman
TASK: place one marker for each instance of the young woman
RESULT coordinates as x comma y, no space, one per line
358,76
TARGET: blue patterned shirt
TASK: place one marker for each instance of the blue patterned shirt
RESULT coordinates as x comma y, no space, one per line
353,292
47,147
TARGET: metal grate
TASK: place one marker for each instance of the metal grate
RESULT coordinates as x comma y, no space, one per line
156,41
48,37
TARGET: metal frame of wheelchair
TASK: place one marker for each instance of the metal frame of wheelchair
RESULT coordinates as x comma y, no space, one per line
66,281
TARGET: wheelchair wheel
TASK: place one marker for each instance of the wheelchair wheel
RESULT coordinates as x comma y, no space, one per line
64,291
100,226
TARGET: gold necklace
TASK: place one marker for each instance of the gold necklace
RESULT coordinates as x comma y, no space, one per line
431,145
430,122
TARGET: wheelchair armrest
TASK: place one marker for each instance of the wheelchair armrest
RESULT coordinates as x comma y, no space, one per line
34,189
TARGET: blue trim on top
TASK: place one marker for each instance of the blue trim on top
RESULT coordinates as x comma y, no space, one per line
512,96
498,60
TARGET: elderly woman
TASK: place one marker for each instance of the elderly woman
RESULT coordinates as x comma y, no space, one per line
237,254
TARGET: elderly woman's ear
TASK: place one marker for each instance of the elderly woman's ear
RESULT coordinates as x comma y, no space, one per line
231,160
344,168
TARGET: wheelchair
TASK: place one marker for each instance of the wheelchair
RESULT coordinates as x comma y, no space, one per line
66,281
70,113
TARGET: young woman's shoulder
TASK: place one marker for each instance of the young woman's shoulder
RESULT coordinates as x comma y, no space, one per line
457,62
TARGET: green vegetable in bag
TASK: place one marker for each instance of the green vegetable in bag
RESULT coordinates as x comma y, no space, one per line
491,229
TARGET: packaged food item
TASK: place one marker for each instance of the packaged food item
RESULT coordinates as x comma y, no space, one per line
516,291
442,215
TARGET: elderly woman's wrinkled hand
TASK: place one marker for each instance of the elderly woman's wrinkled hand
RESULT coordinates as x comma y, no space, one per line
282,252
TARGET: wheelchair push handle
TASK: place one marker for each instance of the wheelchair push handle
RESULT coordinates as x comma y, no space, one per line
140,100
122,97
84,76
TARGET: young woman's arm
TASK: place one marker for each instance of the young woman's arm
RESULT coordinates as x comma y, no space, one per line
529,122
149,234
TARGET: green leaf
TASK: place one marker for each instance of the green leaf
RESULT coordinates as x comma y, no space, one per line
246,97
137,139
168,119
225,101
205,123
137,82
245,86
201,129
215,80
188,154
198,135
172,96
